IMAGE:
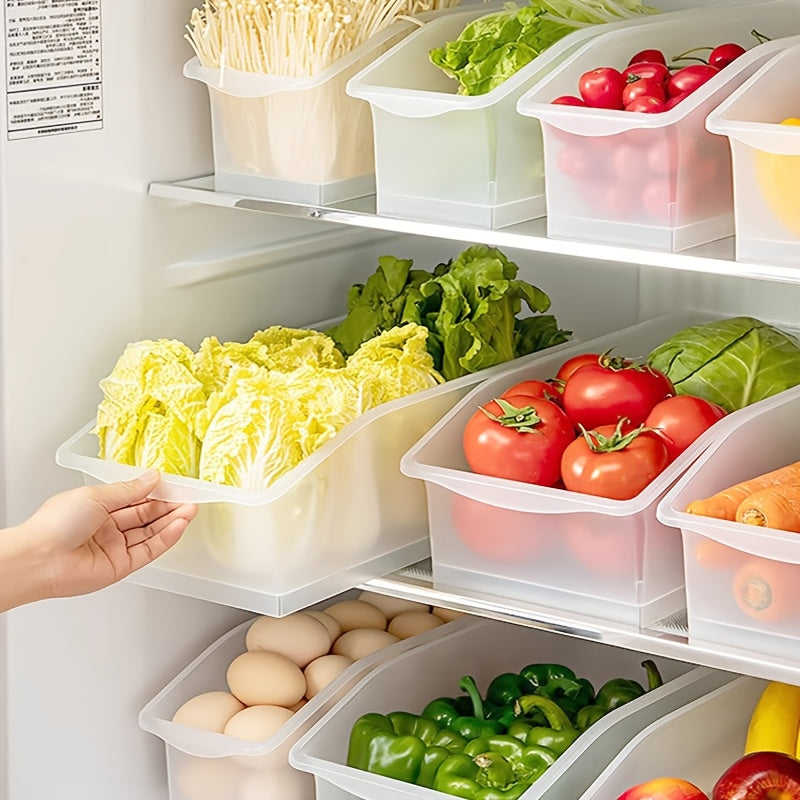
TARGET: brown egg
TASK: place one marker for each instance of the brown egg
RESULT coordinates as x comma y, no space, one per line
333,627
257,723
410,623
360,642
391,606
299,636
446,614
261,678
352,614
209,711
320,672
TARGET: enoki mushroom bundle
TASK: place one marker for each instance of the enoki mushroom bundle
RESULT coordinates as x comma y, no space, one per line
294,38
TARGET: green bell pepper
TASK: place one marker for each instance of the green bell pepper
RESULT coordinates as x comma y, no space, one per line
476,725
445,709
506,688
538,675
571,694
527,761
487,776
433,759
559,735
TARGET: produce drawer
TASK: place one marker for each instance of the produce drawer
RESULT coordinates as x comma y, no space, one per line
658,181
343,515
609,559
766,160
742,581
447,157
204,765
697,743
484,650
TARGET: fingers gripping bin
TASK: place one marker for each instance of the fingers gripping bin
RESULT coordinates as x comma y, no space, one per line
659,181
766,159
742,581
299,140
485,650
445,157
697,743
205,765
589,555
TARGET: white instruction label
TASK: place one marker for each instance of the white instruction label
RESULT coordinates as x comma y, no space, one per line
54,80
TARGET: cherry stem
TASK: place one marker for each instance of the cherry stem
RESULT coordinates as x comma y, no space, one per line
760,38
686,53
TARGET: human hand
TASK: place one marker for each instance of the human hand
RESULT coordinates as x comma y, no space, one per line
88,538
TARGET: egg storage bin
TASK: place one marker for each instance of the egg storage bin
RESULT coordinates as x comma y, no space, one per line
742,581
697,742
299,140
205,764
445,157
657,181
484,650
609,559
766,160
342,516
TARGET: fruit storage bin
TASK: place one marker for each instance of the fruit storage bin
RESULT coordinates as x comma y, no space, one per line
445,157
342,516
766,160
609,559
299,140
742,581
697,743
205,764
485,649
656,181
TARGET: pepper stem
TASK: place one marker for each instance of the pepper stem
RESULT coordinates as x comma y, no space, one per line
556,716
468,685
654,679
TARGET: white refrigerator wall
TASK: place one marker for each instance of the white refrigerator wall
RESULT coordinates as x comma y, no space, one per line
90,262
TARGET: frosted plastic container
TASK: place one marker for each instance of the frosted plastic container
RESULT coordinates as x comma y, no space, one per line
656,181
298,140
445,157
697,743
609,559
766,160
484,650
342,516
742,581
205,764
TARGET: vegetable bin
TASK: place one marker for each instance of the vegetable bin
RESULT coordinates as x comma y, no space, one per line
446,157
697,742
766,159
659,181
742,581
204,764
484,650
343,515
298,140
608,559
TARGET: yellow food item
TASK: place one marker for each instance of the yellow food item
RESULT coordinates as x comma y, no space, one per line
210,711
410,623
779,178
362,642
299,636
775,720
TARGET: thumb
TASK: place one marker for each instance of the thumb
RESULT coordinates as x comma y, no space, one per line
114,496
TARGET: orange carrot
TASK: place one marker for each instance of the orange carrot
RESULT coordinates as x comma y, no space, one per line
773,507
723,505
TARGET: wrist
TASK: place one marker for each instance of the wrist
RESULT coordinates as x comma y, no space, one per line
23,568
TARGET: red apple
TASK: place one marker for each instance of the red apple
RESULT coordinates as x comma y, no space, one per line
664,789
760,776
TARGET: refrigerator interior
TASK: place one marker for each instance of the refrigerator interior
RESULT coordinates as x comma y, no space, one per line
90,262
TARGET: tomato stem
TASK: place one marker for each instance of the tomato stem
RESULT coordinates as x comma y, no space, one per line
523,420
688,53
599,443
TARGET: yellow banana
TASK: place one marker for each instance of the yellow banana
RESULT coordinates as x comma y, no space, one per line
775,721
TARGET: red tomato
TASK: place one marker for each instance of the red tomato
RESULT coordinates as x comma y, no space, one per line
724,54
650,56
575,363
576,161
602,87
629,164
568,100
675,99
521,442
653,70
603,393
608,463
646,105
643,87
533,388
681,419
658,199
495,533
687,79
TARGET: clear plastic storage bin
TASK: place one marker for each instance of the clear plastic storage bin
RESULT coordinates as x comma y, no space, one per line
766,160
742,581
609,559
656,181
445,157
484,650
204,765
298,140
697,743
